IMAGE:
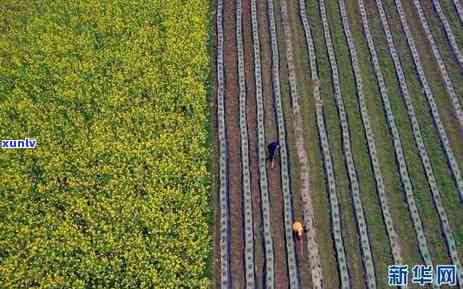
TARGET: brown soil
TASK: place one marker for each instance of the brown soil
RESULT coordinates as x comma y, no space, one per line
234,159
233,142
251,115
276,195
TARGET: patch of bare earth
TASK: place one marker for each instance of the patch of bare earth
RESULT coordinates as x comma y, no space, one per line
233,142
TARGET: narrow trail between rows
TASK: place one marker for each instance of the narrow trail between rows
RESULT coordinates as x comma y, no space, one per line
327,160
279,175
305,186
231,106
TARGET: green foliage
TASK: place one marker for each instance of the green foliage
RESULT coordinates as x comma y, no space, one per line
116,193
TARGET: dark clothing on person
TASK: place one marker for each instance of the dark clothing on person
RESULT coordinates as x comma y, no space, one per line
272,150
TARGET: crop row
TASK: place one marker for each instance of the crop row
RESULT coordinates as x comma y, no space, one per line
285,179
427,166
292,269
223,178
393,237
422,149
459,9
405,178
355,189
430,98
268,241
305,188
448,32
335,212
417,223
245,170
443,70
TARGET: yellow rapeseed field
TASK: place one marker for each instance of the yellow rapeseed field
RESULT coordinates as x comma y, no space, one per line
116,193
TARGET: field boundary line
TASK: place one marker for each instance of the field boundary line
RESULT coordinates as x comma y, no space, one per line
225,281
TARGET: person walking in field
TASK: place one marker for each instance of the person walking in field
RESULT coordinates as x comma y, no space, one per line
272,151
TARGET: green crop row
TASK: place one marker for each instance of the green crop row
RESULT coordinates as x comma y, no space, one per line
327,160
116,194
365,243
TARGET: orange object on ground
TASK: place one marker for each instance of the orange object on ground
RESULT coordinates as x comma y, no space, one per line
298,229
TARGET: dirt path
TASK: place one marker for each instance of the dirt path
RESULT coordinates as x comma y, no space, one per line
275,190
252,136
305,191
233,142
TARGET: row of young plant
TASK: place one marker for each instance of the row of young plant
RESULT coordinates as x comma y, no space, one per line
448,32
394,241
424,155
355,188
459,9
293,273
225,281
268,240
423,152
399,153
424,158
431,101
284,159
305,186
328,164
417,223
245,167
440,61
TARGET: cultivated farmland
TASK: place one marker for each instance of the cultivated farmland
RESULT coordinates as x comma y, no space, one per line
364,97
116,193
153,123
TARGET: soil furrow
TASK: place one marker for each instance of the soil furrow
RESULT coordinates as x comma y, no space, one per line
237,273
271,133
